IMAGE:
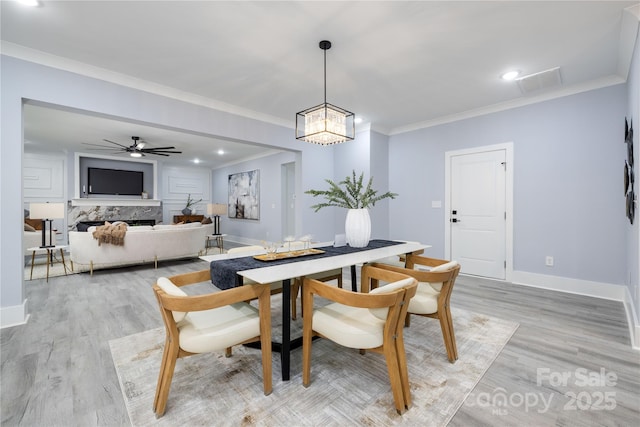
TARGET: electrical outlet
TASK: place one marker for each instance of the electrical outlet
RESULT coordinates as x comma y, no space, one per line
548,261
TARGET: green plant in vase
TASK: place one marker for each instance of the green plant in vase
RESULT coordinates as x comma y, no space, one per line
352,194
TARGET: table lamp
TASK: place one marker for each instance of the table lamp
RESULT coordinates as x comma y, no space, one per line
216,209
47,212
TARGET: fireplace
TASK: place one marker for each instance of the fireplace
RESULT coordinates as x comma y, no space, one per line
84,225
85,215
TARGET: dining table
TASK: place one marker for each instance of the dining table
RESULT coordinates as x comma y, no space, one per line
230,270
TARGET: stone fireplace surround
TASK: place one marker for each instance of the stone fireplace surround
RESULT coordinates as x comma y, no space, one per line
100,212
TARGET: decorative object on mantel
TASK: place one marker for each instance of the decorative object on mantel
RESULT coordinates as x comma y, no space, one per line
325,124
629,174
145,195
135,150
357,199
190,203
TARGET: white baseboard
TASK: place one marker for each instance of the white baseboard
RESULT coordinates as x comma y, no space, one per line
588,288
14,315
632,319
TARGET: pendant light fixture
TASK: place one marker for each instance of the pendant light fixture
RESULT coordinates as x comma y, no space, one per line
325,124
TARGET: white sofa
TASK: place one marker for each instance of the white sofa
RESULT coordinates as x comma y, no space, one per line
142,244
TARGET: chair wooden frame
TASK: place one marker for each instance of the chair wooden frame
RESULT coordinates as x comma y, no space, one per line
298,283
447,278
172,350
393,341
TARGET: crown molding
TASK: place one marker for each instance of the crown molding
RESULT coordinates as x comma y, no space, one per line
65,64
520,102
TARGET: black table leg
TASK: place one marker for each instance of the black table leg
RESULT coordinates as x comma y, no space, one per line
285,352
354,280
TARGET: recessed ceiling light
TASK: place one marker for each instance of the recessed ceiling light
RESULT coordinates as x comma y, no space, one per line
510,75
221,152
357,120
196,161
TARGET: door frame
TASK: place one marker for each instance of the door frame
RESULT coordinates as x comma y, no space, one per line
508,148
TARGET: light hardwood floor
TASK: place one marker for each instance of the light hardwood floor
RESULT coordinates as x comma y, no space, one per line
57,369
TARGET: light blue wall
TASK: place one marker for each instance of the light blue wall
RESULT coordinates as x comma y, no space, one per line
269,226
632,232
568,201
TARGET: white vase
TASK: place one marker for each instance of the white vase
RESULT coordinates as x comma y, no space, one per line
357,228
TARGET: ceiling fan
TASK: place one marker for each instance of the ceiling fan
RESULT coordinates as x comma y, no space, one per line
135,150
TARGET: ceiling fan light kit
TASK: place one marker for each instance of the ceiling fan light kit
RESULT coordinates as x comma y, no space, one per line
134,150
325,124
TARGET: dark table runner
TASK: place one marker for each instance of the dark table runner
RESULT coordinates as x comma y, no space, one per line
224,272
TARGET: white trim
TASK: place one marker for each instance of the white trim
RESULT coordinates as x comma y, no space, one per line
508,148
603,82
14,315
588,288
632,320
50,60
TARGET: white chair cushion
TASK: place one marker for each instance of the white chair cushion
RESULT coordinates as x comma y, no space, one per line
351,327
381,313
219,328
425,301
437,286
171,289
444,267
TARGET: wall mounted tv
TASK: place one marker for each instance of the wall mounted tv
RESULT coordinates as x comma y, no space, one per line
115,182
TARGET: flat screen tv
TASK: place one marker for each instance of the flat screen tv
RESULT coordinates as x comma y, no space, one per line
115,182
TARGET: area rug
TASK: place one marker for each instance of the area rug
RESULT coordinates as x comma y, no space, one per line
346,388
55,270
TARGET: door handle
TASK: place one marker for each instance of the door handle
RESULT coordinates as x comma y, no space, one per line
455,220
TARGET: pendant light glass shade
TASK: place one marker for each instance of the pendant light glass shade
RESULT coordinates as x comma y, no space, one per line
325,124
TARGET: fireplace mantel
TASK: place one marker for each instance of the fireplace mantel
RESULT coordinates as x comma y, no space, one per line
115,202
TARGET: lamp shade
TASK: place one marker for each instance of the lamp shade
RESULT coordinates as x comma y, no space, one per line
46,210
216,209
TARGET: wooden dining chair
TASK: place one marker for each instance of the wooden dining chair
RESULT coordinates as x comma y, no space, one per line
433,295
209,323
372,321
324,276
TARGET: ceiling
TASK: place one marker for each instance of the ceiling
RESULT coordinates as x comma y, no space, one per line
398,65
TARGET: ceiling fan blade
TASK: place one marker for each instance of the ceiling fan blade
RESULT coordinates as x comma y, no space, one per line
157,154
153,150
99,145
116,143
159,148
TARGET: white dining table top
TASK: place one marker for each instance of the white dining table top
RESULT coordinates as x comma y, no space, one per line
274,273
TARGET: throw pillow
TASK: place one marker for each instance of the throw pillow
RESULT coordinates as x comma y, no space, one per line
27,227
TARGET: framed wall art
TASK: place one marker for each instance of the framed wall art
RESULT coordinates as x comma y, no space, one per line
244,195
629,175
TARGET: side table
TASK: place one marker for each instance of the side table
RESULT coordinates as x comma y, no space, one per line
218,238
50,255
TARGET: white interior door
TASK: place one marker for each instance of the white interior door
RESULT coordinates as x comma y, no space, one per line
478,212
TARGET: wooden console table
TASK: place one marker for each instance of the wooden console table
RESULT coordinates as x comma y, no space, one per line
187,218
